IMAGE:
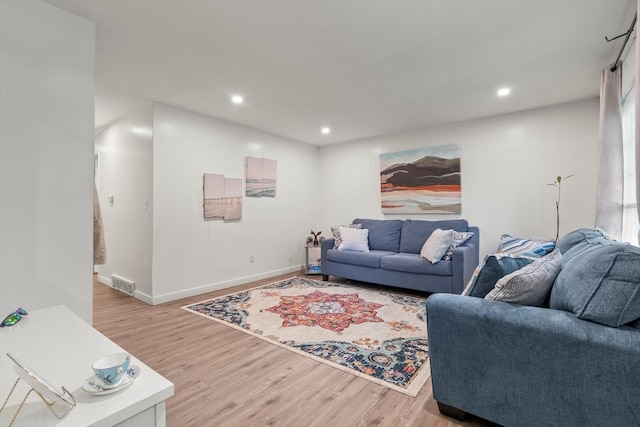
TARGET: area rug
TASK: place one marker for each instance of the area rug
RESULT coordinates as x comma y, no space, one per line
377,335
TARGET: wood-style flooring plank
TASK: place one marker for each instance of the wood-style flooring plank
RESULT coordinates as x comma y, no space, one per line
225,377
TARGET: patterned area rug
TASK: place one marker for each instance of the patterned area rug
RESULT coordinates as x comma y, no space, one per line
377,335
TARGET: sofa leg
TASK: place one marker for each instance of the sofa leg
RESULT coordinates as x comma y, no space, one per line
325,277
450,411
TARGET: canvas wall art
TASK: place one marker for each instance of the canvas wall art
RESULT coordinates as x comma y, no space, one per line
222,197
425,180
261,177
233,198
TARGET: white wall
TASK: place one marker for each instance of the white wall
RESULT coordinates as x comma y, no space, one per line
506,163
125,169
192,255
46,158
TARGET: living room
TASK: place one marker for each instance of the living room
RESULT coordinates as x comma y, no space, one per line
156,233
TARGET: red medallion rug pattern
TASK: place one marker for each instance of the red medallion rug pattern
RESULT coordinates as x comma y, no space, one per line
375,334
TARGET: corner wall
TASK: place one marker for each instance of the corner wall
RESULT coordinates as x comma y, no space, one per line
193,255
507,162
125,172
46,157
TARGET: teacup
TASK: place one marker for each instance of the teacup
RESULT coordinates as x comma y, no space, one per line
110,368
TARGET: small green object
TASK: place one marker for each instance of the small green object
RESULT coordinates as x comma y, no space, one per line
14,317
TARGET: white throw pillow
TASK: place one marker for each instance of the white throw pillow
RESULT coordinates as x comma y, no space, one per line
354,239
436,245
531,284
336,233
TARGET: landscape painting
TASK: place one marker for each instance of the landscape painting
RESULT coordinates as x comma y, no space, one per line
261,177
425,180
213,189
232,198
222,197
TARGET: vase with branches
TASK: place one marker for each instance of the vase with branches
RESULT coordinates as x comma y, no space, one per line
558,183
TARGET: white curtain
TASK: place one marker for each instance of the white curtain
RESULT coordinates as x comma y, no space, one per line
637,89
630,224
609,193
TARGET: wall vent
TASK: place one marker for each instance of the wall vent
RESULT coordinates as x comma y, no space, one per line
125,285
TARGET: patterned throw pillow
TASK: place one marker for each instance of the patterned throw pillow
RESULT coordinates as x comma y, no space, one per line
525,247
529,285
336,233
458,239
436,245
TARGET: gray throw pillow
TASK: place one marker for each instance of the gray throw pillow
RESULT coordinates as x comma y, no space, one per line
492,268
531,284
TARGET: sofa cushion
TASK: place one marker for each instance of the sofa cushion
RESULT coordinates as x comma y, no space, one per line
519,246
436,245
336,233
601,285
414,263
384,235
354,239
578,241
416,232
529,285
365,259
492,268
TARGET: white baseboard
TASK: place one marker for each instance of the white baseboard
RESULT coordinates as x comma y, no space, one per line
160,299
105,280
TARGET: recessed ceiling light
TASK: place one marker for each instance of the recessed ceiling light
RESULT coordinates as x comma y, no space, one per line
325,130
237,99
504,91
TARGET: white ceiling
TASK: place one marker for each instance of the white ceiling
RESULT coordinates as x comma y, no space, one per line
364,68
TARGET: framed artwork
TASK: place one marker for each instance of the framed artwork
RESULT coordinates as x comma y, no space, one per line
261,177
232,198
421,181
213,188
222,197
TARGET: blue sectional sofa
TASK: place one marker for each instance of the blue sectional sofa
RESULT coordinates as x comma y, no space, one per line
575,361
394,257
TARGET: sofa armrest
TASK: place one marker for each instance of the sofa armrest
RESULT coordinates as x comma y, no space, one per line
531,366
464,260
325,245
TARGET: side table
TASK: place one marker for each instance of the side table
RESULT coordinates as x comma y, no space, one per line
60,346
312,259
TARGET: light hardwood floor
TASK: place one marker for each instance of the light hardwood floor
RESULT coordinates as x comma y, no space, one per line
224,377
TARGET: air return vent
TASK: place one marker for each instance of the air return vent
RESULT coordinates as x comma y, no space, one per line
125,285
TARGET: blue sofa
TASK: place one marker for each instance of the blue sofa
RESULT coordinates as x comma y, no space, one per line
575,361
394,257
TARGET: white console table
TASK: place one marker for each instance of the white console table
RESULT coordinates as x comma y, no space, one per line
59,346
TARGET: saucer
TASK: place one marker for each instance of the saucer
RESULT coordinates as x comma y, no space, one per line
94,386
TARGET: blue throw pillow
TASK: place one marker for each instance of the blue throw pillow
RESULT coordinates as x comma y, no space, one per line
492,268
602,285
